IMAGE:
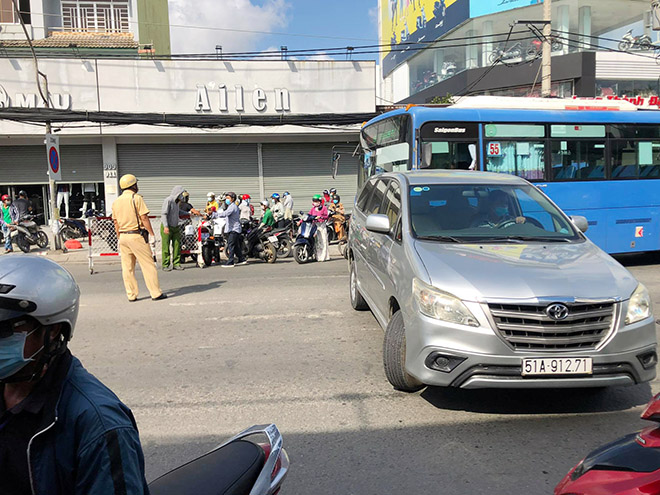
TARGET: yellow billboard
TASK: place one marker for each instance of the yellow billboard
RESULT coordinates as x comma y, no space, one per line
406,22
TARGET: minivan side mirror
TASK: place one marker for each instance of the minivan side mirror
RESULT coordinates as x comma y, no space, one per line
580,222
378,223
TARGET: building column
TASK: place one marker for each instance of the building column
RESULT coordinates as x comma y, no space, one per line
260,164
487,30
584,28
110,171
563,25
471,52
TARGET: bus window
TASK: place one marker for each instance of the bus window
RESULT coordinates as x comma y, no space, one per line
453,155
525,159
578,160
635,159
392,158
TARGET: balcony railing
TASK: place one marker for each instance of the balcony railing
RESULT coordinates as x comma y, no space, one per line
106,17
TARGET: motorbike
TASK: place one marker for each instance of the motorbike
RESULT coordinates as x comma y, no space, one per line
628,466
536,47
237,467
27,233
258,243
211,240
498,54
71,228
304,249
630,42
333,236
284,236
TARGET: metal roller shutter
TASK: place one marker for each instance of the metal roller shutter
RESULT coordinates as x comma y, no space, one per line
305,170
199,168
28,165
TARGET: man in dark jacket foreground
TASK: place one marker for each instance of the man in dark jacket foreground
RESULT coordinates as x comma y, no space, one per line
61,430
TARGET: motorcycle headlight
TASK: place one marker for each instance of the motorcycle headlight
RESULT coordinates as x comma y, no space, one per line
639,306
442,306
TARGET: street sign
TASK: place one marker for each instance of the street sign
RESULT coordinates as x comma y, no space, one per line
53,154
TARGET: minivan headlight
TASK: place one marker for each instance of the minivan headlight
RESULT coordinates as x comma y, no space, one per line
442,306
639,306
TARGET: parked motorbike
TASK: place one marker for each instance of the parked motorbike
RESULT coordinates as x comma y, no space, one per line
211,240
630,42
536,47
628,466
71,228
257,243
27,233
284,242
304,249
498,54
237,467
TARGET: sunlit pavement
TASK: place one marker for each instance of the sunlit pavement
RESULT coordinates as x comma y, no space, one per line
280,343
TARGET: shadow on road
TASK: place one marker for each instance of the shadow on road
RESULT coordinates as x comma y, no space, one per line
537,401
638,259
194,289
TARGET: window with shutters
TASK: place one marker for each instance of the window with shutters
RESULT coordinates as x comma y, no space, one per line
110,16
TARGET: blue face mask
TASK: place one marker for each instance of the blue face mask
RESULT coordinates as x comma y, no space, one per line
502,211
227,201
335,201
11,354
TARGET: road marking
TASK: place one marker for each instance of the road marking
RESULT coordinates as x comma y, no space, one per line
322,314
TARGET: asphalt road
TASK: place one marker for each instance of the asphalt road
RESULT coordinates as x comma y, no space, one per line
280,343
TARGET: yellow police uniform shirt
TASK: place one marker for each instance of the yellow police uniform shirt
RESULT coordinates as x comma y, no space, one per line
123,211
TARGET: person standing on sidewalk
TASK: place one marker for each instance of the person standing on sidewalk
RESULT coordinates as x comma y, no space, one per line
130,216
288,206
233,229
8,217
170,233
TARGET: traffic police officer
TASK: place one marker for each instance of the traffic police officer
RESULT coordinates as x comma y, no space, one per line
129,213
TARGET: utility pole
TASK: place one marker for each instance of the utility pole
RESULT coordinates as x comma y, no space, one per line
546,56
54,213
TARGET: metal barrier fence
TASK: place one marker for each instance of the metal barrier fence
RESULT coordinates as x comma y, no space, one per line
102,238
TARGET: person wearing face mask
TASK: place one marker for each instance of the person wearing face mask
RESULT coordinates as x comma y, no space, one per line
267,220
320,211
8,217
277,209
496,212
61,430
170,232
245,208
338,214
233,231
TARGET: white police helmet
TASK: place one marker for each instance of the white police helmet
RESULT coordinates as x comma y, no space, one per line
38,287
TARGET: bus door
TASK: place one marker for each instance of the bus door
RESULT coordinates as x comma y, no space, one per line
449,145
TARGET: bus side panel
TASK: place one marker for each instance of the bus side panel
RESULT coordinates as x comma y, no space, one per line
624,216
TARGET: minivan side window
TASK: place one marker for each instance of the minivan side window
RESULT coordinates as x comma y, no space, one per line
364,195
392,204
376,201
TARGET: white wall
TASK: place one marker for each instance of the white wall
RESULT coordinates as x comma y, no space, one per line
400,83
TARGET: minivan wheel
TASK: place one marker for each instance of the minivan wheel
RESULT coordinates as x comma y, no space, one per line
357,301
394,356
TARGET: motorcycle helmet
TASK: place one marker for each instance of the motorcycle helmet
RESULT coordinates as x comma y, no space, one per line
185,195
264,203
275,196
210,196
336,198
317,197
286,193
5,197
23,193
125,182
333,191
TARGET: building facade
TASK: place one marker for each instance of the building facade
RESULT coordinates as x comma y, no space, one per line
252,159
459,47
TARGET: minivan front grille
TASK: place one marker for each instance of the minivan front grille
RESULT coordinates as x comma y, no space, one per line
530,327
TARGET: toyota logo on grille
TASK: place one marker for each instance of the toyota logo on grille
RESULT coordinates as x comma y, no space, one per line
557,311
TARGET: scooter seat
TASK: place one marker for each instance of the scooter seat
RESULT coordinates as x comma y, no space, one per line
231,470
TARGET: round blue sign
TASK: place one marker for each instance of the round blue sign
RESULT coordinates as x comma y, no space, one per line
54,160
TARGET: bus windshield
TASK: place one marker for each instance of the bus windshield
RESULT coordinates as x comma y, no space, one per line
498,213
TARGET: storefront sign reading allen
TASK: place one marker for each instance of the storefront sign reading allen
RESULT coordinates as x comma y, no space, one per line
279,99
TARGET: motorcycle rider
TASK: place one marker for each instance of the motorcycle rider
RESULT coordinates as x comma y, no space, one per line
9,216
212,204
233,230
267,220
277,209
245,208
61,430
338,214
320,211
288,206
23,205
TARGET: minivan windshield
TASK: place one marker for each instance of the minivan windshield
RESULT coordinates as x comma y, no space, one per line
487,213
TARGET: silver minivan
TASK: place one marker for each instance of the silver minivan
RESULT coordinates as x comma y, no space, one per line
479,281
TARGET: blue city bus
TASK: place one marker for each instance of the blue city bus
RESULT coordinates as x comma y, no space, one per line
601,164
